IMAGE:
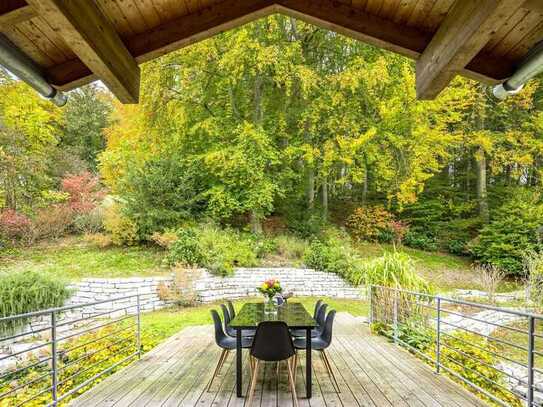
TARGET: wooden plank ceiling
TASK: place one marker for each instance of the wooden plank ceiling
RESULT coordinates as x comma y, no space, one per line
78,41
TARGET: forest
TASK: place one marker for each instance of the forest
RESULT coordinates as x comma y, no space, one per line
278,126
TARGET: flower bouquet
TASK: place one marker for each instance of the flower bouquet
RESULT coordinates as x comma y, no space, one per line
270,288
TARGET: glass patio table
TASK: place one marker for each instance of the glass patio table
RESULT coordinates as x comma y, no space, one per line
292,313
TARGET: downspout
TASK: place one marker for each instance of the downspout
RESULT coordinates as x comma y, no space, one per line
530,67
20,65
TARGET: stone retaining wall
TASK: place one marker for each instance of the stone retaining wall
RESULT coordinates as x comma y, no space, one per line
301,282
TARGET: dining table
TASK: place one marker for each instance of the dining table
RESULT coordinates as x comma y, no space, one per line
293,314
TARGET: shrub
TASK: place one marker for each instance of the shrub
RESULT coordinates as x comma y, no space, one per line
218,250
225,249
15,226
90,222
290,247
186,249
512,234
393,269
490,278
122,229
29,291
84,191
334,255
53,222
418,239
371,223
533,266
304,223
164,239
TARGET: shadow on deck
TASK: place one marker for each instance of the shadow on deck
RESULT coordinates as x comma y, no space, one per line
370,372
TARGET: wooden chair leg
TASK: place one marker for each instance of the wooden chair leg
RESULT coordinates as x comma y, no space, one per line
295,367
330,371
224,353
252,385
290,362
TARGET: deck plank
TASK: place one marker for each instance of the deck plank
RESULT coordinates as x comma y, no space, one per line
370,372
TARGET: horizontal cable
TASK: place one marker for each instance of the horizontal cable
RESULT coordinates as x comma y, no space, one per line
25,350
98,339
21,386
485,350
33,332
92,379
492,338
14,372
485,322
74,321
35,396
93,328
89,354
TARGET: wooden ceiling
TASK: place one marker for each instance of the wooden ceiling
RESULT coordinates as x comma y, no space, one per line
78,41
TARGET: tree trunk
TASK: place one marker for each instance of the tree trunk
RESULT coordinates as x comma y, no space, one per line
325,196
256,224
481,185
311,188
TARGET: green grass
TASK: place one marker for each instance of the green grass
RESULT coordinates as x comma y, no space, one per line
159,325
74,259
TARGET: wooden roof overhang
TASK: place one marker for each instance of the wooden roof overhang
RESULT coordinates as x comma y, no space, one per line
75,42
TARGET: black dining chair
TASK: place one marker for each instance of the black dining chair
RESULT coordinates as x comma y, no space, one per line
231,309
321,343
225,342
319,315
229,314
272,343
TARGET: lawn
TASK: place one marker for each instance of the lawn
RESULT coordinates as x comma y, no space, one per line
74,259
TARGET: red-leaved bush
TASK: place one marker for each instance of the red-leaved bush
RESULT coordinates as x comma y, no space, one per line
84,190
15,226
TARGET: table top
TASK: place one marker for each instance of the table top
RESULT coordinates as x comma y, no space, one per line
292,313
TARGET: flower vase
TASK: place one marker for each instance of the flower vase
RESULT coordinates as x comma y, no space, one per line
269,306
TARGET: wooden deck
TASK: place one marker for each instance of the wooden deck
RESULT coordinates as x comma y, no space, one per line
370,371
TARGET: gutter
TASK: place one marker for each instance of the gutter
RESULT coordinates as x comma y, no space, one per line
529,68
20,65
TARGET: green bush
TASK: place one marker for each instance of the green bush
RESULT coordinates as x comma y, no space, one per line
534,278
122,229
29,291
419,239
186,249
393,269
218,250
511,234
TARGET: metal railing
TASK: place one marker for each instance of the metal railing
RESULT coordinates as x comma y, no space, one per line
57,352
459,337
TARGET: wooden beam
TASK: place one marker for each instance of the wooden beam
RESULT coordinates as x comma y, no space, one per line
173,35
461,36
383,33
15,13
534,5
94,40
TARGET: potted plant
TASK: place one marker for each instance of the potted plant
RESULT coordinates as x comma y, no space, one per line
270,288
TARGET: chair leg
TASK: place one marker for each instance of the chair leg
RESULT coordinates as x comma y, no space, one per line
290,362
295,367
222,358
252,385
330,371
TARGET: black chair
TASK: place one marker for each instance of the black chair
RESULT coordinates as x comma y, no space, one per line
321,343
319,315
226,343
272,343
232,311
227,315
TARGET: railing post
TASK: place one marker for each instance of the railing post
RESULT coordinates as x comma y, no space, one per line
54,367
138,333
370,299
531,344
395,316
438,336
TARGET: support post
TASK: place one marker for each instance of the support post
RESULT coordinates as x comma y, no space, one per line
138,327
531,344
438,336
395,316
54,364
370,300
